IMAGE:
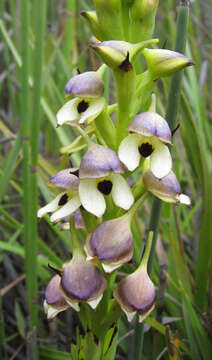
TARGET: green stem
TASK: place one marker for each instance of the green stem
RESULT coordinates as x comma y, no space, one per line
125,86
106,128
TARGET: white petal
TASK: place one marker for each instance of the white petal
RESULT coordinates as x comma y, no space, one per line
68,112
51,311
50,207
128,151
69,208
130,315
108,268
94,303
73,304
184,199
91,198
94,109
161,161
121,192
143,316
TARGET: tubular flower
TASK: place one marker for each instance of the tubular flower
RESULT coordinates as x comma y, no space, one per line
82,281
88,88
150,134
166,189
67,202
99,175
54,300
112,243
136,294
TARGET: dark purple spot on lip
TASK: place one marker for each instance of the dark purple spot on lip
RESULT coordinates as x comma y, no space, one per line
63,200
75,172
105,187
82,106
145,150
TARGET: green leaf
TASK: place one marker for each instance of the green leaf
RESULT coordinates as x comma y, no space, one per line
20,320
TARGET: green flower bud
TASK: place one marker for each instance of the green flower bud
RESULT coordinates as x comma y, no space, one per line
143,19
110,18
93,23
165,62
120,54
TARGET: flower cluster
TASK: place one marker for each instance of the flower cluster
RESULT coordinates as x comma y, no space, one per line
102,184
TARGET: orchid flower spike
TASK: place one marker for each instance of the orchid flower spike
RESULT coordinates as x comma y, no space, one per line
166,189
150,134
99,175
89,102
54,300
67,202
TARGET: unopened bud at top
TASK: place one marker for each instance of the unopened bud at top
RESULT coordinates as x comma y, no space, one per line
93,23
85,85
163,62
142,8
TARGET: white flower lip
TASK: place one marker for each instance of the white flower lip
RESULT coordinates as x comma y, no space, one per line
93,200
68,209
160,157
72,114
86,85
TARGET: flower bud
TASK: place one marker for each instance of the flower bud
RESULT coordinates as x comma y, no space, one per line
82,281
136,293
143,14
54,301
110,18
142,8
85,85
93,23
166,189
116,53
112,243
163,62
